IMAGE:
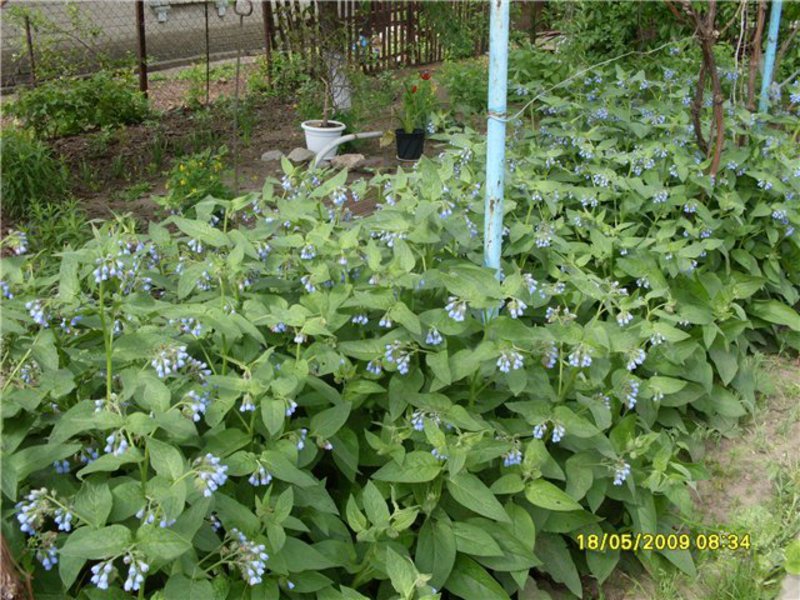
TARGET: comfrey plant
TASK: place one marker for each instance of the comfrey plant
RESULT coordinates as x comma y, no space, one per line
375,400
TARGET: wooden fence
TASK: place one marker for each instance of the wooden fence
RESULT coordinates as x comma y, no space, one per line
377,35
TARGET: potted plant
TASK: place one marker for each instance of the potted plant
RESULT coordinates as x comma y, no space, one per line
418,100
320,132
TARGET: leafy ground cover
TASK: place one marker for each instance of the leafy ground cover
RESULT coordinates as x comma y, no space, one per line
266,397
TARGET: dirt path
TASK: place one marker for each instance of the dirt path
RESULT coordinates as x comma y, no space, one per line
754,488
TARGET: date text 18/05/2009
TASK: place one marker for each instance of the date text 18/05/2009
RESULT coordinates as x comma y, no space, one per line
637,542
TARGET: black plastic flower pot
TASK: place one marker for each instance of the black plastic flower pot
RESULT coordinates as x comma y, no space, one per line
409,145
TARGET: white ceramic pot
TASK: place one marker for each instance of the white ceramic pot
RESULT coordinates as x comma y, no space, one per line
318,137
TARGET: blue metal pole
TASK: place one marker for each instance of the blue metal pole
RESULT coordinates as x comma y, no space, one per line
496,134
769,57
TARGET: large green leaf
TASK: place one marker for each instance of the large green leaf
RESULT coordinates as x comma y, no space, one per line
471,492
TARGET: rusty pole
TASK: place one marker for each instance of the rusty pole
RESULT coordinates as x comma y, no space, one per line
29,40
141,47
266,8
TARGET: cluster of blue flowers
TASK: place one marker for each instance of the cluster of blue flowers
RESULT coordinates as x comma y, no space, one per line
260,477
433,337
47,553
116,443
580,357
170,360
516,308
439,454
513,457
301,439
550,357
210,474
61,466
249,557
37,313
107,268
621,473
101,573
631,392
188,325
360,319
635,358
32,511
137,571
197,403
624,318
509,360
395,353
456,308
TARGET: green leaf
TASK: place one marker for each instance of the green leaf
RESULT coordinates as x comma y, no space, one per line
180,587
557,561
282,468
374,505
401,572
417,467
166,460
601,564
201,231
300,556
469,491
326,423
436,550
35,458
439,365
545,494
776,312
93,503
792,562
471,539
161,544
96,544
471,582
273,413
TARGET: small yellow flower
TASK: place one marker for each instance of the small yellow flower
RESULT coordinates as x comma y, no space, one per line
183,182
181,167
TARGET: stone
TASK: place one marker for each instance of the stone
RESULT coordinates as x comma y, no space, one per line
347,161
272,155
299,155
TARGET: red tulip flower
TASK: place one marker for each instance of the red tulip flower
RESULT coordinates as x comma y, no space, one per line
425,75
414,89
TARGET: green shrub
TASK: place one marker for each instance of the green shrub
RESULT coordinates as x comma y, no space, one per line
467,85
196,176
70,106
289,73
52,227
365,403
29,173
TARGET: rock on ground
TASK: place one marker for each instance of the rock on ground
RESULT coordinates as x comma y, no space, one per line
272,155
301,155
347,161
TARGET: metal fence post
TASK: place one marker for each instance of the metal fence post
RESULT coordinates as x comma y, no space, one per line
141,47
266,9
496,136
769,57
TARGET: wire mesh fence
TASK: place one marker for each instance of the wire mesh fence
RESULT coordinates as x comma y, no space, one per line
182,50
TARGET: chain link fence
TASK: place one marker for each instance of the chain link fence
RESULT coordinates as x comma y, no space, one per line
184,50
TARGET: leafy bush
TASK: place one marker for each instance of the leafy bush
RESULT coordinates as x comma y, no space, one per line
50,227
69,106
29,173
289,73
194,177
264,397
467,85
